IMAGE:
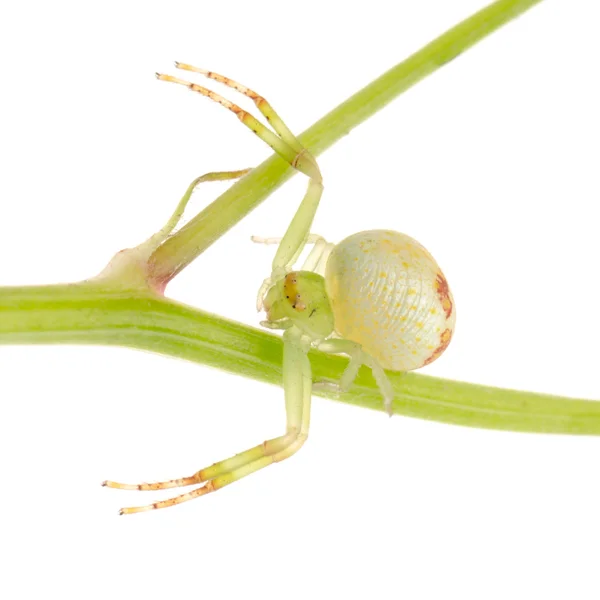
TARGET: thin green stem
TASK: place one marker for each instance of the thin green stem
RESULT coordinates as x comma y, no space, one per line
97,313
243,197
121,308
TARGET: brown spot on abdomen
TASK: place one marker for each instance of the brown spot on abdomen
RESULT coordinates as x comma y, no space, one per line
444,342
443,292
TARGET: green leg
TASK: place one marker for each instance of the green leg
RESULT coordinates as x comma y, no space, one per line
315,261
358,357
286,145
297,382
265,108
154,241
312,238
283,325
123,261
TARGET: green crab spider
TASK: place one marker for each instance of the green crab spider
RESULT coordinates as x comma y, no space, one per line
377,296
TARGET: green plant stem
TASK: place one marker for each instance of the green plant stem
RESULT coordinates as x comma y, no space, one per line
122,309
215,220
97,313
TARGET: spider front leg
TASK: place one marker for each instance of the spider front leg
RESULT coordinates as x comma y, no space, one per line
315,261
297,383
284,143
154,241
142,252
358,357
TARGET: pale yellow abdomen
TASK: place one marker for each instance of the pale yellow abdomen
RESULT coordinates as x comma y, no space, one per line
389,295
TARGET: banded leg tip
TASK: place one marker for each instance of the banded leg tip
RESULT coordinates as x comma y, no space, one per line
167,78
134,509
128,511
193,69
122,486
117,486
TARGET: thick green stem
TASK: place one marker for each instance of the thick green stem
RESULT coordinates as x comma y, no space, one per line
120,308
97,313
204,229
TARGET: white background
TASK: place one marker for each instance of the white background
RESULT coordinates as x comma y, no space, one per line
492,163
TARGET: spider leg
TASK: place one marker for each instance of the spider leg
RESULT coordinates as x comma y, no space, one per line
297,383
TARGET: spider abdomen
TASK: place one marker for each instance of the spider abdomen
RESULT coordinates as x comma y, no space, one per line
388,294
